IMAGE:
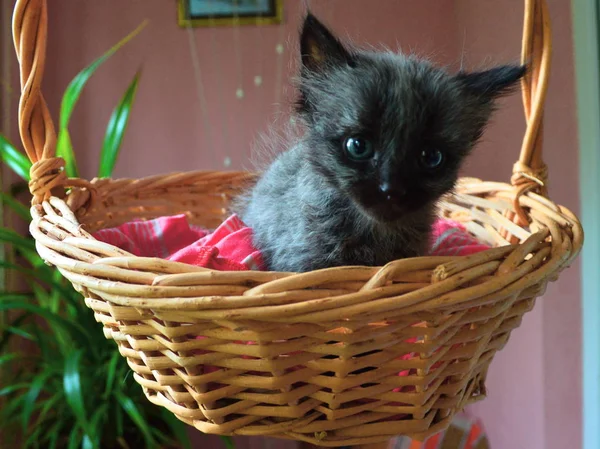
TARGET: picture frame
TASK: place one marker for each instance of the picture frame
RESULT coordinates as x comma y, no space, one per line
209,13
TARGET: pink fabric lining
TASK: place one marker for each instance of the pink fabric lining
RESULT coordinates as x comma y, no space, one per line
230,248
227,248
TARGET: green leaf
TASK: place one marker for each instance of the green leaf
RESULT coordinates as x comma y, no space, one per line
229,444
96,425
178,428
41,297
54,434
16,302
32,257
87,443
14,238
49,405
46,346
74,438
161,438
55,293
131,409
116,130
10,296
20,332
12,388
49,277
17,161
73,91
111,372
34,391
64,149
8,357
33,439
10,411
119,420
6,334
71,97
24,245
20,209
72,387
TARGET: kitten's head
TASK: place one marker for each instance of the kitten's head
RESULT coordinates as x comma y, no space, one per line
389,130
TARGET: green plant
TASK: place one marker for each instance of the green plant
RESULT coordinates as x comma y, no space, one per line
70,388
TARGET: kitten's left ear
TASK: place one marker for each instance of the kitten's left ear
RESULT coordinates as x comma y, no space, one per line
319,47
492,83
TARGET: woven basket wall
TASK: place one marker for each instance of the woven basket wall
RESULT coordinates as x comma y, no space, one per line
342,356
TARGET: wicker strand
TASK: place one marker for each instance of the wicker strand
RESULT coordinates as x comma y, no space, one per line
30,27
530,173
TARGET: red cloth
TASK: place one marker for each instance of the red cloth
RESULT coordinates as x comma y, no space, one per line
160,237
464,432
450,238
230,248
227,248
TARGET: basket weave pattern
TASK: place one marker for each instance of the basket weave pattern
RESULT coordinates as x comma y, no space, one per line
341,356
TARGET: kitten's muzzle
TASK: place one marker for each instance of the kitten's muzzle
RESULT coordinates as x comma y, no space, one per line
391,193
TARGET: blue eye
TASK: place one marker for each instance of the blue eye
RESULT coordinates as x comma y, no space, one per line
432,159
358,148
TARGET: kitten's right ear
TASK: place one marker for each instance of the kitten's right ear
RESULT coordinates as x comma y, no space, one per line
319,47
492,83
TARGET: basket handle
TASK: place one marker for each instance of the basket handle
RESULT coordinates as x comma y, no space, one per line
30,27
530,172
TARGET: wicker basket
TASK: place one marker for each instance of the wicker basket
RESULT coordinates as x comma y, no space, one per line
327,346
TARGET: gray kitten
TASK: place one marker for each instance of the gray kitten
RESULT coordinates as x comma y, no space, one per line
385,136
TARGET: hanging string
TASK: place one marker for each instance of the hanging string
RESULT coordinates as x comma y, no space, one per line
260,107
236,49
279,50
259,29
200,94
258,77
233,124
224,142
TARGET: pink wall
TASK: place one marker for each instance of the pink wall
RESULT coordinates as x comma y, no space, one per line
534,384
168,130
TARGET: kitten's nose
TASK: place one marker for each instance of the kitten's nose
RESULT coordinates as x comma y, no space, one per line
391,193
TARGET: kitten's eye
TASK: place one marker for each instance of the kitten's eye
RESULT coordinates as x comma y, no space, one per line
432,159
358,148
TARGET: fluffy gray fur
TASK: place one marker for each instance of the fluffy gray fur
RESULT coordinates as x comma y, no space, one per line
316,207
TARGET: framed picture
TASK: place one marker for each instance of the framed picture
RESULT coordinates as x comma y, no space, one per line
202,13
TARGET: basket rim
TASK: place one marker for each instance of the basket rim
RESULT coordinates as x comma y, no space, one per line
126,280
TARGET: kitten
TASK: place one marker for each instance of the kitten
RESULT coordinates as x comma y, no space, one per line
385,136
